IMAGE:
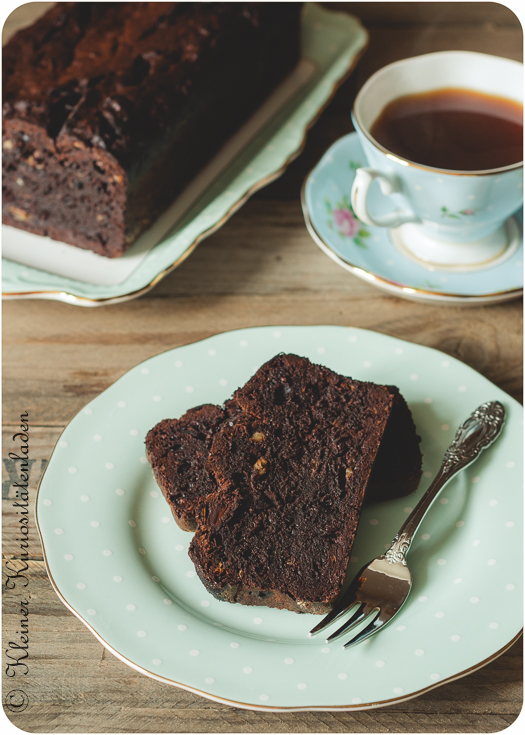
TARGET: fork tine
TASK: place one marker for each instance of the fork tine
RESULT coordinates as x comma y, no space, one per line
370,629
361,614
333,615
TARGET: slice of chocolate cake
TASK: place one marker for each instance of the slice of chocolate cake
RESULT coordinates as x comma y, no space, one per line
177,450
291,470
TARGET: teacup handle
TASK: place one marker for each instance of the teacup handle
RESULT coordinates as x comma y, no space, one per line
388,185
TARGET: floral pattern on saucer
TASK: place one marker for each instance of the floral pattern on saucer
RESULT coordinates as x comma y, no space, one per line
369,253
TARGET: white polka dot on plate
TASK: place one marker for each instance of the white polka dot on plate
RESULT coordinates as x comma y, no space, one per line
144,371
107,552
243,343
194,652
179,547
443,501
191,573
302,685
474,600
425,536
205,603
441,562
157,399
223,381
81,586
234,645
401,627
88,411
511,464
510,587
414,376
121,404
248,670
72,470
141,633
63,444
342,676
440,615
493,625
423,598
419,652
374,522
69,557
166,519
117,578
459,524
156,661
288,660
84,498
428,400
380,664
109,465
325,650
257,621
277,333
435,677
98,437
398,690
183,627
264,697
178,363
119,491
458,580
142,551
132,524
476,479
189,389
367,364
445,363
493,502
445,427
462,388
356,700
491,562
209,680
154,494
91,611
133,432
455,638
59,531
509,524
167,601
130,607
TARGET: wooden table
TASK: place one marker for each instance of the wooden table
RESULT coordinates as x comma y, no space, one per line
261,268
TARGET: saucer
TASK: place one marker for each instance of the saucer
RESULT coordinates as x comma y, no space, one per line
370,253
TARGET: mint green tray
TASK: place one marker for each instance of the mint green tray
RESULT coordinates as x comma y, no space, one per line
334,42
119,562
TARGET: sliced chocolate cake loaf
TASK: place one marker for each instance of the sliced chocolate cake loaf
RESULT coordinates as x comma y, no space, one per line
291,471
110,109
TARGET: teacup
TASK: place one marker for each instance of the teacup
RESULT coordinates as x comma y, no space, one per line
445,218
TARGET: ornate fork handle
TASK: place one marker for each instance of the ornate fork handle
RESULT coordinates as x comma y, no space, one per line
475,434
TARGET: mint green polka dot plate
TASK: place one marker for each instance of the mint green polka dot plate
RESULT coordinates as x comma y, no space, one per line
119,562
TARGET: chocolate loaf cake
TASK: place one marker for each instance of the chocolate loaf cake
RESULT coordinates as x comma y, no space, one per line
291,469
110,109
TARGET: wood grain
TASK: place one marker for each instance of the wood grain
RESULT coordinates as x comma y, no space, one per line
261,268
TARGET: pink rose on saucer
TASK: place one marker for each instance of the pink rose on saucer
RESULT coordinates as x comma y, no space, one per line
346,223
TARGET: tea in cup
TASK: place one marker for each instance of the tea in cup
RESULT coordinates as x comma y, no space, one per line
443,134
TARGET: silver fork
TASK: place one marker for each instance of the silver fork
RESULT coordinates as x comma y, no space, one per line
380,588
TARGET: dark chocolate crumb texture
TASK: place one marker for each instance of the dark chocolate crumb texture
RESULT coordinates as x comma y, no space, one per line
274,482
109,109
